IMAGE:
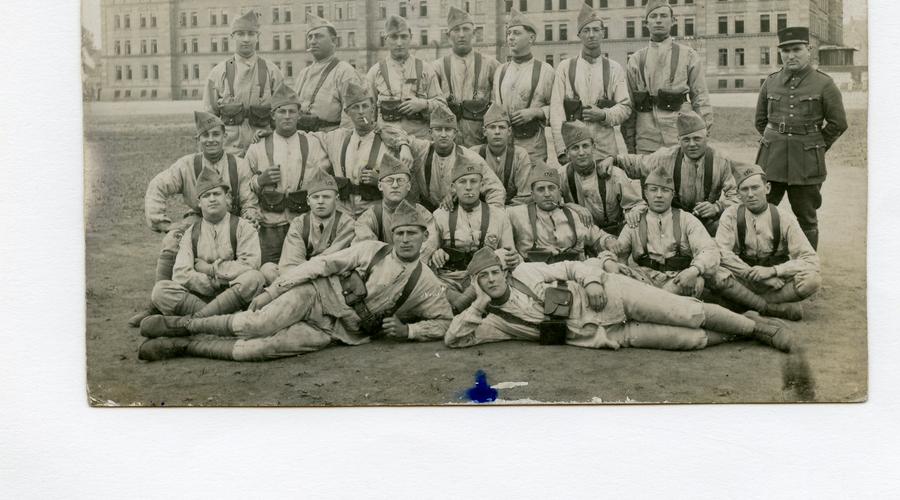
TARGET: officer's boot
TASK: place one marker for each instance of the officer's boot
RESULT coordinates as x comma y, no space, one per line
734,291
813,236
226,302
771,332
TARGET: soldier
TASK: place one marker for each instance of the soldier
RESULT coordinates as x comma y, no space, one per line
763,246
576,303
181,178
664,78
607,197
545,230
799,114
509,162
468,226
368,290
434,161
323,230
216,270
524,86
467,78
322,86
670,249
590,88
238,89
394,181
406,89
282,164
704,185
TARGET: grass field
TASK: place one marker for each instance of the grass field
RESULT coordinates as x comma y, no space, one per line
124,153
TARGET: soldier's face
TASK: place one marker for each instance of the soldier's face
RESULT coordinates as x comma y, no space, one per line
519,40
444,138
245,42
213,204
753,192
694,145
461,38
322,203
493,282
394,187
363,114
467,189
545,195
591,35
660,21
659,198
497,134
286,119
795,57
320,43
582,155
212,142
398,44
408,241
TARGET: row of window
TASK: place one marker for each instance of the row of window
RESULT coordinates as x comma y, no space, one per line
123,47
152,93
148,72
123,21
765,23
595,4
765,56
738,82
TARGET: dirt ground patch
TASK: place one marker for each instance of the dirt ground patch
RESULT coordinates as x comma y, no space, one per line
124,153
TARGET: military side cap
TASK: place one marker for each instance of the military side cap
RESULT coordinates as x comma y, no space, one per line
792,35
283,96
689,122
516,18
396,24
586,16
391,165
464,166
356,93
655,4
457,17
544,173
406,215
496,113
660,177
320,181
315,22
743,171
206,121
442,117
575,132
247,22
481,260
209,179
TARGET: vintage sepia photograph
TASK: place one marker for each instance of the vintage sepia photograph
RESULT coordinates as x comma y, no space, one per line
497,202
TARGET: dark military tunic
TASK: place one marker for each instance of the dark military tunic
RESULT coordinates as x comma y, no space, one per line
799,116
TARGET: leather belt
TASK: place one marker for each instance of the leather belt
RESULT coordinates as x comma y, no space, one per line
798,129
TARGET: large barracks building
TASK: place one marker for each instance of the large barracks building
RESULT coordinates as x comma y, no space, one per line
164,49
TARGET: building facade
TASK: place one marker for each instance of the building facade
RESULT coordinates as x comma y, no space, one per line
163,49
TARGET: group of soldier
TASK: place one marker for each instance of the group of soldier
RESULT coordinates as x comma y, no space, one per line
419,203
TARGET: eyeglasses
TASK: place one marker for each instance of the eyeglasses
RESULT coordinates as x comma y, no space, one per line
399,181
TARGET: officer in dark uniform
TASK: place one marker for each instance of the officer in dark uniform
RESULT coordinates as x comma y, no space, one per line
799,114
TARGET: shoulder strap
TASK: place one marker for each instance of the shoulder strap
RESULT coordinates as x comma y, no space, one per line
522,287
485,222
235,185
198,165
384,75
325,73
232,233
741,228
573,188
344,147
373,151
451,222
262,74
477,74
378,209
304,153
305,231
378,257
500,83
229,75
573,65
673,67
642,63
535,76
419,70
507,172
642,235
447,75
429,158
270,150
195,236
708,175
409,287
601,187
482,151
676,176
605,77
532,218
571,220
676,229
776,228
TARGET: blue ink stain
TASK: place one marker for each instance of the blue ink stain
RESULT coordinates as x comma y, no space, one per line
482,392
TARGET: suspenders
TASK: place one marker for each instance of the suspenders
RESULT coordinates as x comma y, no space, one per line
232,229
742,229
707,177
305,230
507,169
485,222
532,217
262,74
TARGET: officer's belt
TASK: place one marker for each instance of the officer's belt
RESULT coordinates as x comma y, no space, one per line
795,129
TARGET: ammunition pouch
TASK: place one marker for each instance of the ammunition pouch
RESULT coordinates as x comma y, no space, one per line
547,257
552,332
297,202
770,261
232,114
389,109
312,123
573,109
558,301
457,260
528,130
674,263
343,188
670,101
605,103
643,102
367,192
260,115
474,109
454,106
354,291
271,201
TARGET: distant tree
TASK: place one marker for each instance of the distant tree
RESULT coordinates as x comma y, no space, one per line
90,65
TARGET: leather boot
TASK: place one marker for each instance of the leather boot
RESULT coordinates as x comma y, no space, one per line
771,332
212,348
165,326
721,320
149,310
214,325
734,291
164,264
226,302
163,348
787,293
789,310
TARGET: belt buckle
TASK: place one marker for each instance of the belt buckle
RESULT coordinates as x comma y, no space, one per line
782,127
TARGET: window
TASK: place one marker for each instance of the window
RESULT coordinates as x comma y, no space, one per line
340,13
739,57
674,30
381,40
153,46
213,19
275,15
287,15
738,24
196,71
764,21
402,9
445,38
423,38
523,5
195,45
128,72
479,34
153,94
288,42
289,68
739,83
153,24
548,4
195,93
466,6
382,11
118,48
193,19
688,2
183,46
127,47
155,72
182,19
629,3
562,5
723,25
276,42
723,57
563,32
689,26
116,94
645,30
117,22
127,20
765,58
629,29
320,11
782,21
548,32
603,4
145,72
351,39
723,84
214,45
507,6
183,92
224,19
338,42
549,59
224,44
423,8
143,46
185,71
127,93
118,72
143,21
778,53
